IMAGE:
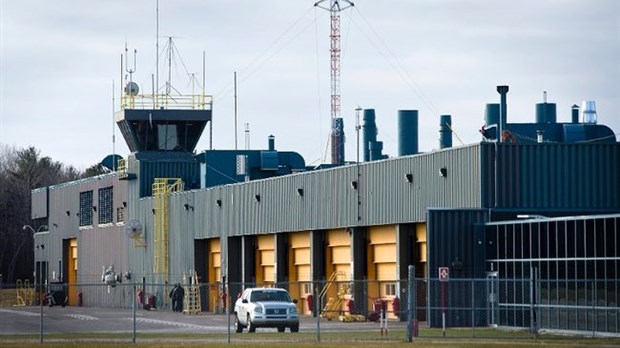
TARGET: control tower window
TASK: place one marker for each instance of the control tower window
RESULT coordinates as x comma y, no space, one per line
167,136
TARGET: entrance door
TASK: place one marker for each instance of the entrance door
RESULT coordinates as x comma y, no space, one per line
72,268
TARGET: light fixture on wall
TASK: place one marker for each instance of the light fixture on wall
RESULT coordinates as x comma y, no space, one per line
218,202
409,177
300,192
257,198
153,210
68,213
188,207
94,208
124,204
443,171
354,184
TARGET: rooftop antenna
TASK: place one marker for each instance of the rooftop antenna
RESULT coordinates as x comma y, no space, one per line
157,47
204,97
169,82
130,70
247,136
113,130
235,97
337,134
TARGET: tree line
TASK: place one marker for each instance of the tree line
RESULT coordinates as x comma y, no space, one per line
21,170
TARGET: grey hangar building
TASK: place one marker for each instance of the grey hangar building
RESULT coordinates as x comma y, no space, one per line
502,214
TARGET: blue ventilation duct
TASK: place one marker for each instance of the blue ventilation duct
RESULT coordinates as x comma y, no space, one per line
369,132
407,132
445,131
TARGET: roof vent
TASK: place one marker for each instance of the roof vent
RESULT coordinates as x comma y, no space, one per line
588,108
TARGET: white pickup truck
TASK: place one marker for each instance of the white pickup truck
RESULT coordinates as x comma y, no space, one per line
266,307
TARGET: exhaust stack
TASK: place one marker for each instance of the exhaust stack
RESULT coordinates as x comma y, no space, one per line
407,132
445,131
503,110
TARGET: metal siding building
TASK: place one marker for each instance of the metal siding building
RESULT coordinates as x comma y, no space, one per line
455,242
455,186
551,177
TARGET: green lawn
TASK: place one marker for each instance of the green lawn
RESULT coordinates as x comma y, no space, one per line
395,339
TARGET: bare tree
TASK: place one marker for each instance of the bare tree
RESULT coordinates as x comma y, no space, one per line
22,170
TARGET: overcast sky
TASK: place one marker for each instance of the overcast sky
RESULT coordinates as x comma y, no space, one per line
60,58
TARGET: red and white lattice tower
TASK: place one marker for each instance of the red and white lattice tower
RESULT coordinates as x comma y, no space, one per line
337,131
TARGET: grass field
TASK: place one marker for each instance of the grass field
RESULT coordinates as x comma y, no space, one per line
395,339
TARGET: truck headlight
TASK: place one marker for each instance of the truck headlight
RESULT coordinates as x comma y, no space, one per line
292,310
258,309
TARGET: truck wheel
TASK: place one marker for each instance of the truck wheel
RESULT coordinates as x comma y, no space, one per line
251,327
295,328
238,326
281,328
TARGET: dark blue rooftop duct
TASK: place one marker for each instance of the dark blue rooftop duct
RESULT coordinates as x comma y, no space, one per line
445,131
271,143
376,149
491,121
503,109
491,115
337,137
574,113
546,113
407,132
369,132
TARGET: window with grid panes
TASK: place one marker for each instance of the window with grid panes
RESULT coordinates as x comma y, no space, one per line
105,206
86,208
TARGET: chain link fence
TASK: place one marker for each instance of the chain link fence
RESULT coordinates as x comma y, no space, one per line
336,310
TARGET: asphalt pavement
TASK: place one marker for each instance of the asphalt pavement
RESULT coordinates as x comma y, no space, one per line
27,320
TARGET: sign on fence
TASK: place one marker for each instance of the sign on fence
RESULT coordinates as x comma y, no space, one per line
444,274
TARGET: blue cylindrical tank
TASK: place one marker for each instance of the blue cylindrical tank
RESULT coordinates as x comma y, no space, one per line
491,114
337,137
369,133
491,117
546,113
407,132
574,112
445,131
376,149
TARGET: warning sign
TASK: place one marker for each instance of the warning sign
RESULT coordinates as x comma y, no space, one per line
444,274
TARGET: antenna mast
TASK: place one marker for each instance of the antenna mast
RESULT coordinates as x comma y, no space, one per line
337,132
156,52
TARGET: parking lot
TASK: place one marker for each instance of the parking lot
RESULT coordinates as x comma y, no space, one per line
26,320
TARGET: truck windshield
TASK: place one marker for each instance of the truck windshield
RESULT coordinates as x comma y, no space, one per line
267,296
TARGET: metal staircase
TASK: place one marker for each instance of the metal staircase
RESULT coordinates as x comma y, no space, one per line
162,187
191,301
333,306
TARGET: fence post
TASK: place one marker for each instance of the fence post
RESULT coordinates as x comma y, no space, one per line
473,309
317,306
135,295
410,298
594,318
532,301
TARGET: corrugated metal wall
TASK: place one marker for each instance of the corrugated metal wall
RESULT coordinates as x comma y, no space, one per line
97,245
552,177
328,199
454,242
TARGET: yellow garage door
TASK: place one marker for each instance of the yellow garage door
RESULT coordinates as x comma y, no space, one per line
265,260
72,268
382,265
215,273
299,269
